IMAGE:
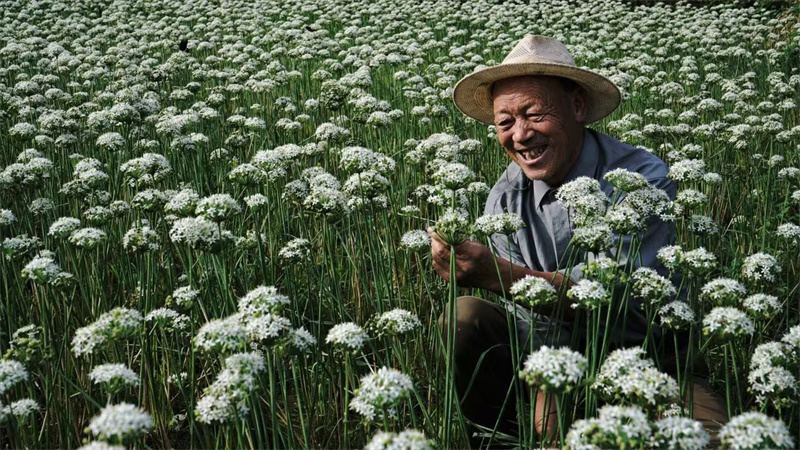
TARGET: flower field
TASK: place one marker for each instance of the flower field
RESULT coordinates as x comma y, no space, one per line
212,223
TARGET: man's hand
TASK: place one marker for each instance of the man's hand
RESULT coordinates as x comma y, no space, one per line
475,263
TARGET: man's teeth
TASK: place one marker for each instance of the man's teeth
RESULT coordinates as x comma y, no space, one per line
533,153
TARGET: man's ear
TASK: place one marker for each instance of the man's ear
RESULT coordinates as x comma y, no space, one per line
579,105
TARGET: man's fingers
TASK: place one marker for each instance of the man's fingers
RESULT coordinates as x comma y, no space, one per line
434,235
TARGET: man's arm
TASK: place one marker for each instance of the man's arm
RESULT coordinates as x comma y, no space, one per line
477,267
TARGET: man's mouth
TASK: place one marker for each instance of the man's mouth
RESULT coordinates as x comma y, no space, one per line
533,153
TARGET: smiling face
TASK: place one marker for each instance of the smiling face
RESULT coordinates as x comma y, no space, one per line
540,125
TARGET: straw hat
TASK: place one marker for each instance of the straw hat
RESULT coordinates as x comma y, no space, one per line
535,55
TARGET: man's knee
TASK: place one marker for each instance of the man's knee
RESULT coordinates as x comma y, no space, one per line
477,321
472,311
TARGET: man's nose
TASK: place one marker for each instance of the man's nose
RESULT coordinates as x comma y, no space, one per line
522,133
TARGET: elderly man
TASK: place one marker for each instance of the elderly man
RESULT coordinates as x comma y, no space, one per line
539,102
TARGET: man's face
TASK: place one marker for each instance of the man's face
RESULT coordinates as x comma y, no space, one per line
539,125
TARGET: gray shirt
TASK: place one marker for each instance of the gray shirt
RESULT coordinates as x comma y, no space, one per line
543,245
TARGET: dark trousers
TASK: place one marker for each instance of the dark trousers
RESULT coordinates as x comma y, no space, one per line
483,363
484,370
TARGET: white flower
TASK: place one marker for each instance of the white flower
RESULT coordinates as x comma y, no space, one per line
625,180
266,328
256,201
227,397
397,321
760,267
359,159
146,170
702,225
217,207
300,340
687,170
676,315
7,217
23,408
405,440
63,227
199,233
168,318
114,374
726,323
11,373
594,238
141,239
454,175
101,445
772,383
651,286
221,336
348,336
506,224
380,393
790,232
296,250
723,292
183,297
120,423
533,291
624,220
111,141
754,430
670,256
415,240
679,433
262,300
771,354
698,261
649,201
554,370
182,203
570,193
626,376
762,306
691,198
87,237
615,427
117,324
588,294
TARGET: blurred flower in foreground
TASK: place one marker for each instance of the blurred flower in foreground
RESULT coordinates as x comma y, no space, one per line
404,440
679,433
615,427
120,423
755,430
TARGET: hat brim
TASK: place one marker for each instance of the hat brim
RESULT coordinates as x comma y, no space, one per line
473,94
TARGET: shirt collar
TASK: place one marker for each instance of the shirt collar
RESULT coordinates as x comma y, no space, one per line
586,165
